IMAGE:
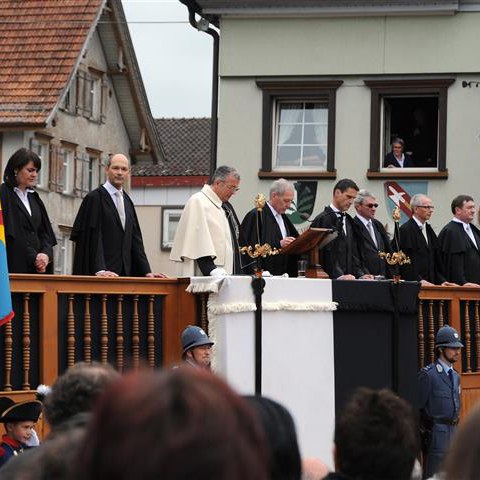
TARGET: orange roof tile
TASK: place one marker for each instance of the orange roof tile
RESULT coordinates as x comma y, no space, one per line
40,42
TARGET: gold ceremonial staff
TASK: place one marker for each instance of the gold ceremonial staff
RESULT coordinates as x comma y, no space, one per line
259,250
396,258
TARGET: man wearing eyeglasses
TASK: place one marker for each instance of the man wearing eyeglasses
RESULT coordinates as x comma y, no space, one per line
420,243
371,235
460,244
208,235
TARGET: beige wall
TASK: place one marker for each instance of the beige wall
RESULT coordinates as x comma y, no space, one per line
344,46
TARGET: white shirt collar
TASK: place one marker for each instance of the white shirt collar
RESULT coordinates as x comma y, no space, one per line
364,220
275,213
335,209
457,220
111,189
419,223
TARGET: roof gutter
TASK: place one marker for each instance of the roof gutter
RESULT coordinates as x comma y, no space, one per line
203,25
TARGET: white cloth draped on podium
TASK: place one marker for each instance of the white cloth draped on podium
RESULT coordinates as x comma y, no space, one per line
297,353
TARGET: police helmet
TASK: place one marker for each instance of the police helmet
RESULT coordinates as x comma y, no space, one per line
194,336
448,337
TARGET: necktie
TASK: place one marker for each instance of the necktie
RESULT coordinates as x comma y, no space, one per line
468,229
423,229
372,232
450,375
120,207
341,220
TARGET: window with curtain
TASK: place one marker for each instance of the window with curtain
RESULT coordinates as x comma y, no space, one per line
298,130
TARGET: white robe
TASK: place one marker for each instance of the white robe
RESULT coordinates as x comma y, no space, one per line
203,231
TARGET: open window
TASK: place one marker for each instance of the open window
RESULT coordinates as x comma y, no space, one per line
413,114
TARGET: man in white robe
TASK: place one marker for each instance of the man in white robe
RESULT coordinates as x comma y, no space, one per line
208,234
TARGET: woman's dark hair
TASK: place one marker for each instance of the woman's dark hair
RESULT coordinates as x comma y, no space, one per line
280,437
175,425
16,162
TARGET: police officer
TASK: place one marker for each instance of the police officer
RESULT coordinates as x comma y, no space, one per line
197,347
439,396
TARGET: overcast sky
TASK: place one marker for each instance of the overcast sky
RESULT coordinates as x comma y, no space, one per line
175,59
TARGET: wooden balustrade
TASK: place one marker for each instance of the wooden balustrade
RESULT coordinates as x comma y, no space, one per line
134,322
60,320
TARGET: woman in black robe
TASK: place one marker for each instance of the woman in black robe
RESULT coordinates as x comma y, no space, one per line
28,231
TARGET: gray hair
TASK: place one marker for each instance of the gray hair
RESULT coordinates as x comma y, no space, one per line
281,186
362,195
416,200
221,173
399,141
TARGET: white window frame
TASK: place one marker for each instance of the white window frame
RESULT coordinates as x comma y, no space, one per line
167,235
42,149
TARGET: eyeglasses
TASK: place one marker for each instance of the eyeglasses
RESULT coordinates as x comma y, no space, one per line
232,188
371,205
429,207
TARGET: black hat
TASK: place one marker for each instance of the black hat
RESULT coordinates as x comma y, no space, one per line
19,412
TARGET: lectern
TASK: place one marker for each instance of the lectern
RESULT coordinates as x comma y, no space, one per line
312,241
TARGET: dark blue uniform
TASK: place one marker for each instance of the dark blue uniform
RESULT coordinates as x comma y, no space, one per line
9,448
439,398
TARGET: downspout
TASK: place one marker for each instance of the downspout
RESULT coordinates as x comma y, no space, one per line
203,26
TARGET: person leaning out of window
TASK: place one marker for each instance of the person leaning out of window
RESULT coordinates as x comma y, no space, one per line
397,158
28,231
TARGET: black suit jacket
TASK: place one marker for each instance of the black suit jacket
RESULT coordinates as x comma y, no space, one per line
339,257
368,251
102,243
460,256
391,160
270,233
26,235
426,261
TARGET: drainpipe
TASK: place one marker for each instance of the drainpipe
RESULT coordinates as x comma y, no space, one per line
203,25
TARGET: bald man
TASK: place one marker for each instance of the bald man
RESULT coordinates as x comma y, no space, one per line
106,231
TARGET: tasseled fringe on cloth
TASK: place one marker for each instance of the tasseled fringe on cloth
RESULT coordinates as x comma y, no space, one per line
205,284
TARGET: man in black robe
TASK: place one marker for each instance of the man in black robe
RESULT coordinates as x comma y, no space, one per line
340,257
106,231
419,242
460,243
370,235
273,226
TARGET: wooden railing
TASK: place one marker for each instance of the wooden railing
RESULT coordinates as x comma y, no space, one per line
130,322
60,320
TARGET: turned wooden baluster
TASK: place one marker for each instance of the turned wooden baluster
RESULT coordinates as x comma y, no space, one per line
8,356
104,330
431,333
26,341
87,332
135,335
70,331
150,333
468,340
421,336
477,335
441,318
119,329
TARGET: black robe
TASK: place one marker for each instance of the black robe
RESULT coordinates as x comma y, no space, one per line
26,235
460,257
425,260
270,233
339,257
102,243
368,251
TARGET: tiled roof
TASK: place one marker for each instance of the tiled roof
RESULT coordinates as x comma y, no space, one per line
186,142
41,41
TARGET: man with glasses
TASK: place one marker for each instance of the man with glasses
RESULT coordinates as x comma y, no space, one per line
208,234
460,244
419,242
371,235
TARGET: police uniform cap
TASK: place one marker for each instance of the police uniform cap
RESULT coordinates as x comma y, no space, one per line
448,337
194,336
19,412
